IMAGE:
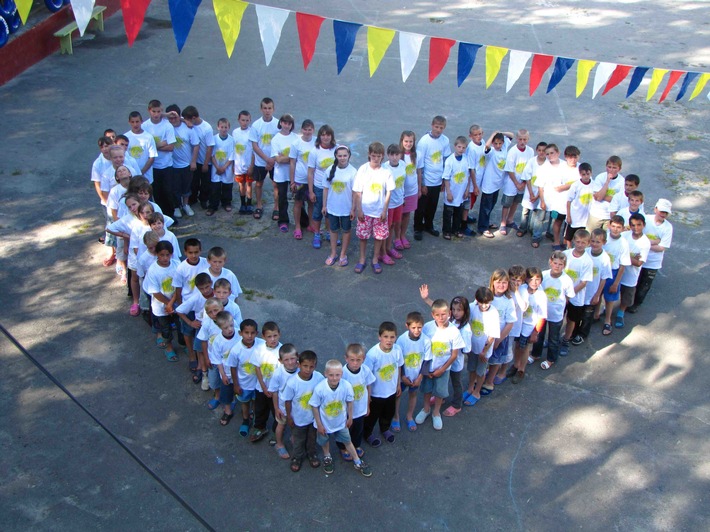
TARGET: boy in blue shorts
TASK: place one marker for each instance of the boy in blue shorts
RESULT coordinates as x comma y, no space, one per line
218,351
618,250
190,314
416,350
242,370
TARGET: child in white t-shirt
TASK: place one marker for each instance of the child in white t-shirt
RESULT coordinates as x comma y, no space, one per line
579,201
280,150
456,190
158,284
190,312
514,186
338,203
206,334
503,301
299,154
217,258
533,217
580,268
416,350
141,145
534,316
222,169
243,161
371,195
219,378
484,331
265,361
285,371
361,378
396,205
242,369
601,267
412,185
321,158
492,179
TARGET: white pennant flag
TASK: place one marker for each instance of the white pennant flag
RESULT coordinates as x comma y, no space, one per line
602,75
271,22
410,44
82,13
517,61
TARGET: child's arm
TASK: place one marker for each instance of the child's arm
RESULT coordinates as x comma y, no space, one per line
505,331
277,410
541,195
489,142
447,189
192,323
404,378
148,164
422,188
223,374
598,294
349,422
385,207
319,423
324,210
235,380
357,205
289,417
569,215
508,134
533,197
619,274
268,160
439,372
292,174
103,196
424,293
539,327
260,376
311,193
193,159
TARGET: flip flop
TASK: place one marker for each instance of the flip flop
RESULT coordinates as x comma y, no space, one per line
411,425
244,429
377,268
499,380
214,403
346,456
283,453
374,441
344,261
488,234
520,233
257,213
298,234
330,261
225,419
535,244
469,400
396,426
451,411
160,343
171,356
387,435
607,329
359,267
546,364
486,389
283,228
619,323
275,215
503,231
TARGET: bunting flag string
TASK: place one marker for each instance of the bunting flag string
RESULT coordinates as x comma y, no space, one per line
271,22
467,57
540,64
517,61
308,31
494,58
584,68
410,44
229,15
687,80
672,80
656,78
345,34
562,65
439,50
601,76
182,13
619,75
378,41
636,78
700,85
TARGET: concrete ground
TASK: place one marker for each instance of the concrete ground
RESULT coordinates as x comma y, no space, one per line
615,436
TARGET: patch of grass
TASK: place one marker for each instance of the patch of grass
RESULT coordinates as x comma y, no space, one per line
625,107
694,137
83,228
251,294
238,222
16,171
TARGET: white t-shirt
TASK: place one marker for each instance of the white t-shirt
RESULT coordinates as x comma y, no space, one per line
359,381
579,269
601,271
618,251
625,213
262,133
340,190
618,202
162,131
466,335
223,153
195,302
530,173
243,150
484,325
168,236
206,138
226,273
208,332
320,159
141,146
476,157
278,383
506,310
145,261
536,309
664,233
240,357
493,176
373,184
411,184
299,392
267,360
186,273
638,248
102,172
300,151
551,176
159,280
186,139
580,198
385,367
219,348
557,290
456,173
235,311
332,404
415,354
399,174
431,154
114,199
443,342
281,145
515,162
600,209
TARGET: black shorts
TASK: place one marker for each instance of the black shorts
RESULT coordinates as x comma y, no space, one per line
570,231
260,173
574,313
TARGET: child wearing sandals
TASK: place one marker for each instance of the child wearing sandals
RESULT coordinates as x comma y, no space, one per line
384,360
243,371
322,156
280,149
371,195
218,352
361,379
407,141
534,317
190,312
159,284
618,250
206,335
446,342
296,395
456,190
265,361
558,287
284,372
332,403
416,349
517,278
299,154
601,270
338,203
485,329
396,205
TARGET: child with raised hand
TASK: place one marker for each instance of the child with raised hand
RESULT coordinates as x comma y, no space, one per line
299,154
190,312
485,329
412,185
242,369
446,343
372,188
605,186
338,203
601,269
558,287
361,378
265,361
320,159
492,180
332,403
504,304
384,360
416,349
296,395
158,284
534,317
280,149
285,371
396,205
219,378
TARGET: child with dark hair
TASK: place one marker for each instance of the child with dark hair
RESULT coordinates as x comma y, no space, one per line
338,203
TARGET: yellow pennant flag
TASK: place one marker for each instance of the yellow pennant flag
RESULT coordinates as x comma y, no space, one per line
494,58
656,79
229,18
378,40
23,7
584,67
699,86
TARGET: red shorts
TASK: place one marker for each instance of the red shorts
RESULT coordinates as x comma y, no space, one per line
243,178
394,216
410,204
372,226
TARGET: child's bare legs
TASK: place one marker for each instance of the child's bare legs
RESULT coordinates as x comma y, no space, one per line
135,287
510,219
426,407
297,208
379,250
610,306
475,381
333,245
310,214
412,403
396,409
556,228
259,185
504,217
344,247
280,429
245,412
404,225
363,252
191,355
438,401
492,372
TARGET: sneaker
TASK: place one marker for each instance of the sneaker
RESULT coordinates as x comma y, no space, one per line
577,340
363,468
316,241
177,213
433,232
243,210
421,417
469,232
205,385
633,309
564,347
328,465
188,210
418,235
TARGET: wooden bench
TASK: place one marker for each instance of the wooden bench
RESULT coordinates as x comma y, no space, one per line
64,34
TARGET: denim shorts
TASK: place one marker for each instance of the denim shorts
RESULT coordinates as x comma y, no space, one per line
342,436
246,396
226,393
523,341
500,354
214,378
509,200
412,389
438,386
318,205
185,328
474,364
339,222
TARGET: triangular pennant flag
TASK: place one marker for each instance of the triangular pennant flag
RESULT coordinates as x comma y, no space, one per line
133,15
699,86
345,33
439,50
271,22
24,7
308,30
619,75
410,44
636,79
656,78
584,67
82,13
516,64
467,57
672,80
378,40
562,65
229,15
182,15
687,80
601,76
540,64
494,58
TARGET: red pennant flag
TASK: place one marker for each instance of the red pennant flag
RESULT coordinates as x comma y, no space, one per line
439,50
619,75
540,64
133,15
672,79
308,30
